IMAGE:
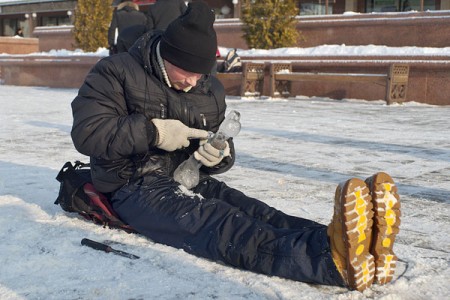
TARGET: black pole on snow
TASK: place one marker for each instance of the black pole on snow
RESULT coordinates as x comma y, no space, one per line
108,249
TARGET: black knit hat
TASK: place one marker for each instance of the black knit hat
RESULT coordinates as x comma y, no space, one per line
190,41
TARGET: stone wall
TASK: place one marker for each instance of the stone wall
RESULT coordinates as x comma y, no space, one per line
421,29
55,37
16,45
428,81
58,72
429,76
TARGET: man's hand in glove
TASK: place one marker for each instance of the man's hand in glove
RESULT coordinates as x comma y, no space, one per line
210,156
173,135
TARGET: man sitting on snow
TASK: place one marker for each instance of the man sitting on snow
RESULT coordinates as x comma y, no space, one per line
141,113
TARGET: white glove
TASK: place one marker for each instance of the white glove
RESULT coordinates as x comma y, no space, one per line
210,156
175,135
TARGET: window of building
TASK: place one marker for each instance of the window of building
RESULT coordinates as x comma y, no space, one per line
399,5
55,20
9,26
315,7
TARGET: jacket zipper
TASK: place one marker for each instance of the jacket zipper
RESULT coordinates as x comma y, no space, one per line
203,119
163,111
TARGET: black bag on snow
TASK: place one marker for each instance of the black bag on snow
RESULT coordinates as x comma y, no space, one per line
77,194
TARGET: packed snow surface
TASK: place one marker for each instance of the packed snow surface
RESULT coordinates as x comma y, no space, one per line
290,154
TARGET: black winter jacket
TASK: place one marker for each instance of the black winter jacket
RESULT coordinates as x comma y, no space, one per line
163,12
113,109
127,14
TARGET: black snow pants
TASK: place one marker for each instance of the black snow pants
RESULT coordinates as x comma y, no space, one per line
222,224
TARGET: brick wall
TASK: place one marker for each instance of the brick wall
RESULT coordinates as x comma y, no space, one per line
13,45
421,29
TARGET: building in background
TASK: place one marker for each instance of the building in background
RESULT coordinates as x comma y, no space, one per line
329,7
29,14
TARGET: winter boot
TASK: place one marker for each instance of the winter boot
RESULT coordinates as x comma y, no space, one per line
350,234
386,204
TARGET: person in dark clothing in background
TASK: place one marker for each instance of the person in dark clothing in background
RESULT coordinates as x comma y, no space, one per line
159,16
19,32
141,113
127,14
129,36
163,12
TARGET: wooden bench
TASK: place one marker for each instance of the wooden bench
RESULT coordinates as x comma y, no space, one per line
395,80
251,78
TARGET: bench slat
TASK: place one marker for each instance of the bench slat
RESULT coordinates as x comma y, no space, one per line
229,76
296,76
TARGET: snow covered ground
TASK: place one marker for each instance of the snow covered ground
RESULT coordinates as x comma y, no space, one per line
291,154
